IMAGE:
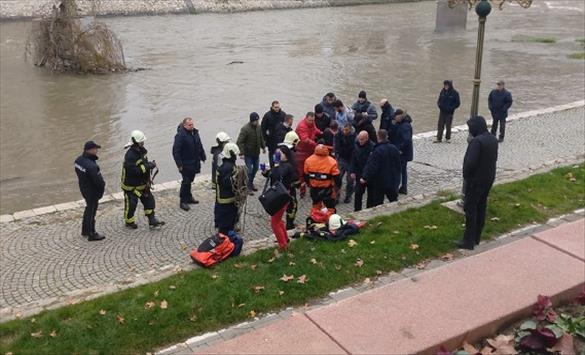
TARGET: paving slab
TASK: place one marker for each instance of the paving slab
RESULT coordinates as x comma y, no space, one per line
467,299
568,237
295,335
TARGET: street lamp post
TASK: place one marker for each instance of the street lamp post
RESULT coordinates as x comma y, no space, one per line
483,9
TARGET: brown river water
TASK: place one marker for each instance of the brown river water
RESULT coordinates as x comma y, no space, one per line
295,56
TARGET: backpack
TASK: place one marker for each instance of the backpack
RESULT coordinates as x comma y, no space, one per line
238,243
213,250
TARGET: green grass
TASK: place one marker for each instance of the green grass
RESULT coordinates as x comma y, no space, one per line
203,300
578,55
528,39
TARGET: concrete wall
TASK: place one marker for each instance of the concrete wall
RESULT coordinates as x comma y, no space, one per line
15,9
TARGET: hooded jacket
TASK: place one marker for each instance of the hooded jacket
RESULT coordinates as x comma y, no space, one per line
328,109
479,164
387,116
270,123
250,140
448,100
382,171
499,102
402,138
187,149
321,170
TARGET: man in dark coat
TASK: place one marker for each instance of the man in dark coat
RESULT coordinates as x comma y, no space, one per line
448,102
92,186
499,102
322,119
402,139
283,128
250,142
271,120
365,113
328,104
387,114
359,157
479,172
344,146
382,172
188,153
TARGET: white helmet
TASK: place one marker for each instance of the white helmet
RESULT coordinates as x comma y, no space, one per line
335,222
231,150
136,137
291,139
222,137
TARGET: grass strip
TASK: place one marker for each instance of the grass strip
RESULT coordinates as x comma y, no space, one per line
577,55
141,319
527,39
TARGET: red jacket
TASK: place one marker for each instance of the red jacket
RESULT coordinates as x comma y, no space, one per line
307,136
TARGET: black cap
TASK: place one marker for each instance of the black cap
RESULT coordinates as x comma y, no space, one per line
399,111
318,108
362,94
254,117
90,145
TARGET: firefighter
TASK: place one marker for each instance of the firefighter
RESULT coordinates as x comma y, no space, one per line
226,211
322,176
222,139
290,141
136,181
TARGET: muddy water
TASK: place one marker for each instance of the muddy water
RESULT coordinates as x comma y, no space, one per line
294,56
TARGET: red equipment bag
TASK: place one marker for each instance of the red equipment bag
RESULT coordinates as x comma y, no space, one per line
213,250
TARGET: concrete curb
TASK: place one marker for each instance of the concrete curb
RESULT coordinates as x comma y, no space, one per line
206,179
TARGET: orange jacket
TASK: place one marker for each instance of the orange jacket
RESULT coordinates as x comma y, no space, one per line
321,169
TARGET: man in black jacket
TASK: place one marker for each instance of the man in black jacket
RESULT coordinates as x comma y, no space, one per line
92,186
359,157
479,172
270,122
448,102
344,146
283,128
382,172
188,153
136,181
322,118
499,102
387,114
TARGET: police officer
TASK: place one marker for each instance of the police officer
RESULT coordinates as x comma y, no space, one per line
136,181
226,211
91,185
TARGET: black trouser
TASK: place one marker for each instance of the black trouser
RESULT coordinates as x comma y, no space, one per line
188,173
475,207
344,166
293,205
271,151
88,224
226,217
360,189
403,174
323,195
445,120
131,202
376,196
502,122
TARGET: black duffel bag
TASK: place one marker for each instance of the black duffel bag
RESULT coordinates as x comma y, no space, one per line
274,198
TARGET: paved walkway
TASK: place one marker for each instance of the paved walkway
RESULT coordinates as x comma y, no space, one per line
468,299
44,257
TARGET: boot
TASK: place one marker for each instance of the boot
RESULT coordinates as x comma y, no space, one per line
462,245
403,191
95,237
290,225
192,201
184,206
132,225
153,222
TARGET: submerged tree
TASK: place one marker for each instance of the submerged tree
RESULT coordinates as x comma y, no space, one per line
62,43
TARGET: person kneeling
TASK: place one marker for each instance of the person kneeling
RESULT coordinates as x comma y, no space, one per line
322,176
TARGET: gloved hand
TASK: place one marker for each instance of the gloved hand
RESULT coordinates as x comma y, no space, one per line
150,164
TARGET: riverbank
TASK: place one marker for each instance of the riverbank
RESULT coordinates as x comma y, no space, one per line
23,9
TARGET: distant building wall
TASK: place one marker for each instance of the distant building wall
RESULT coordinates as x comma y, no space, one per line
450,18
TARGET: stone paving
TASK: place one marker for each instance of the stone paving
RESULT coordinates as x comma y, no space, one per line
43,258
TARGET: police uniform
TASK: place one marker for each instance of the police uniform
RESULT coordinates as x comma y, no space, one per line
135,184
92,186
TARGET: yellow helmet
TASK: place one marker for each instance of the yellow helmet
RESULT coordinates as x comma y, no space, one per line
291,139
231,150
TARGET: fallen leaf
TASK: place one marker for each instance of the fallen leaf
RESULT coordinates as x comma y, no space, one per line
352,243
396,232
280,293
367,281
503,344
313,261
565,345
156,293
431,227
403,257
337,267
495,219
379,272
487,350
252,314
238,266
241,305
343,251
276,253
373,242
302,279
359,263
377,225
258,289
291,263
414,246
53,334
517,205
447,257
253,266
34,320
422,265
183,247
38,334
470,349
164,304
287,278
172,287
214,276
103,312
149,305
120,319
193,318
271,260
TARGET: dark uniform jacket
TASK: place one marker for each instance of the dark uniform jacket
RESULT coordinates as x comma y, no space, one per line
281,131
187,149
215,151
91,182
344,145
225,177
359,157
479,164
499,102
270,122
136,169
387,116
323,122
382,171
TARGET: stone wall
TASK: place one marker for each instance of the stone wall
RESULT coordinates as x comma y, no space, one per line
16,9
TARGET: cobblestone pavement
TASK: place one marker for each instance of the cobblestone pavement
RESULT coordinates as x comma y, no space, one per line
45,257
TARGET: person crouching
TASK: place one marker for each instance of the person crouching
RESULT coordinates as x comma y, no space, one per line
322,177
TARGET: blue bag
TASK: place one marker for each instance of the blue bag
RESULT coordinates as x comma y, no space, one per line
238,243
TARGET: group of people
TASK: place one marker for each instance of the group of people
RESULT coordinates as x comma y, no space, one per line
332,145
